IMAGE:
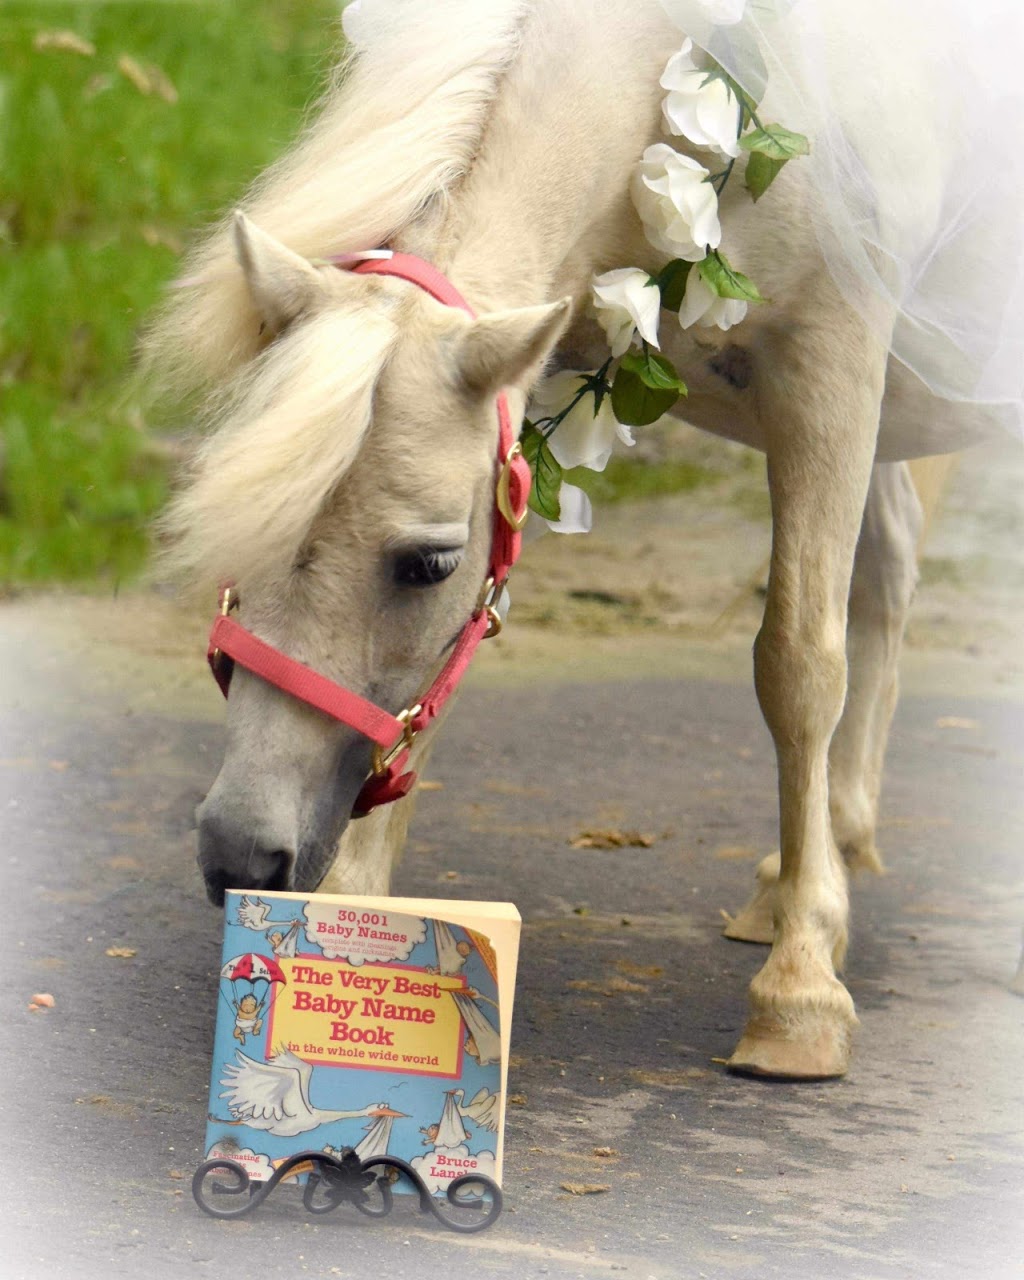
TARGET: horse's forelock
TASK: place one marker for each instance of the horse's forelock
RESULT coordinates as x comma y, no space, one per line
281,439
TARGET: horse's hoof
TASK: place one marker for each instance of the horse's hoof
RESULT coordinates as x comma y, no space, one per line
753,924
756,921
775,1053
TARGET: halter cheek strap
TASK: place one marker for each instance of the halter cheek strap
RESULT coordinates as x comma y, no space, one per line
393,735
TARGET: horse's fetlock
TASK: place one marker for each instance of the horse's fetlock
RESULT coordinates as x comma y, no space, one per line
819,910
789,989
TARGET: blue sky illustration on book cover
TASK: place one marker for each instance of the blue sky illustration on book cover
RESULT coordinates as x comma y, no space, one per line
340,1026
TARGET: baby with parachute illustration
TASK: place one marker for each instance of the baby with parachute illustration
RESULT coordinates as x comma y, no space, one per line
248,1007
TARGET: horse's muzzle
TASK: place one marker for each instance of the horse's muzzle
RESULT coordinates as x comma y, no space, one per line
233,856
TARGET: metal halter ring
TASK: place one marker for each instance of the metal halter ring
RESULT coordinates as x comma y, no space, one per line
490,594
383,760
503,496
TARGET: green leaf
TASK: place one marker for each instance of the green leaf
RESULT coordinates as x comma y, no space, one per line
672,283
546,471
653,369
775,142
636,404
762,171
720,278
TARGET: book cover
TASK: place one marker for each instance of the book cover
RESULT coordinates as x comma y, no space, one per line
380,1024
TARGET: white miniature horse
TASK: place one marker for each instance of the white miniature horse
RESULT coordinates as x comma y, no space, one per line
356,436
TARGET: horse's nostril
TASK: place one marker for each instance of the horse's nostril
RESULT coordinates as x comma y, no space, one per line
277,870
261,869
232,856
216,885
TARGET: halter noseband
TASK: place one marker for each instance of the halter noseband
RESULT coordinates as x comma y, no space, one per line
392,735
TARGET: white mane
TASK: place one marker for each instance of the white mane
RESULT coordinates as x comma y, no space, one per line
398,126
259,481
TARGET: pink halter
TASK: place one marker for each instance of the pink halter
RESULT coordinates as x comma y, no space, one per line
392,735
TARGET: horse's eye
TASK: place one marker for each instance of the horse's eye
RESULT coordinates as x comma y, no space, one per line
426,566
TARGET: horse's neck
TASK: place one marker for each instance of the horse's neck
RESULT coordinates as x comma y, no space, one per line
546,203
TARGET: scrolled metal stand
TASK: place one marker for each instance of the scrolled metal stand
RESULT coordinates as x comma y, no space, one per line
345,1179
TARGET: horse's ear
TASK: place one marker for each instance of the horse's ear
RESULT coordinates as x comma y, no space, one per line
498,349
283,284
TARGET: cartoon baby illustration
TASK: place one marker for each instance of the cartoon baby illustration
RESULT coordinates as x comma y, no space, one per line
247,1019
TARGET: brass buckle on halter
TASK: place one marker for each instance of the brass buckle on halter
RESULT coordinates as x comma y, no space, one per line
382,761
490,594
503,496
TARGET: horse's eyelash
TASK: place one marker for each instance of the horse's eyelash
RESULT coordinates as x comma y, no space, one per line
446,556
426,566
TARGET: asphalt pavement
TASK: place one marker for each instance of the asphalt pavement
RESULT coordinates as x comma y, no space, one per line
911,1167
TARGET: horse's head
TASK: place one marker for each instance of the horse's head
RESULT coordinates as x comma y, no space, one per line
349,491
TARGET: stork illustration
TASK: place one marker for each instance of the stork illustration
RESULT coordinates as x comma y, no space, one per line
482,1110
378,1135
274,1095
281,934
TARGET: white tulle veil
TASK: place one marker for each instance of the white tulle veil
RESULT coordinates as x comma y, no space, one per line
914,110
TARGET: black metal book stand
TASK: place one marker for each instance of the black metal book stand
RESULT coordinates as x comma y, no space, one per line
223,1189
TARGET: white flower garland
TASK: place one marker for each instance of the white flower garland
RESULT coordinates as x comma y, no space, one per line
575,417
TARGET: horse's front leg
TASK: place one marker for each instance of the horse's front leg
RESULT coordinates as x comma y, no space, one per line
369,850
819,393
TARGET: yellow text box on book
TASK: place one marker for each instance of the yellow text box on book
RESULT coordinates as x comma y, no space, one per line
380,1017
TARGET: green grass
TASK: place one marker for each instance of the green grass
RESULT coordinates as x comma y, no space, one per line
627,479
100,186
